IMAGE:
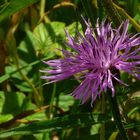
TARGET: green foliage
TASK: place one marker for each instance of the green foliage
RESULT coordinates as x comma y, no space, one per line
13,6
32,31
68,121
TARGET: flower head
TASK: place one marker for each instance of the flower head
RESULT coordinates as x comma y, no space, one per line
99,55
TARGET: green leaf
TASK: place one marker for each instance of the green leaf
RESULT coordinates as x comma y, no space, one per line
132,106
73,27
132,7
8,75
65,102
14,6
8,106
48,38
127,16
13,103
41,40
113,136
59,123
5,118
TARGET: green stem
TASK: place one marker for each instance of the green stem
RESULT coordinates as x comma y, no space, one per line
126,15
116,115
42,7
52,100
42,11
102,130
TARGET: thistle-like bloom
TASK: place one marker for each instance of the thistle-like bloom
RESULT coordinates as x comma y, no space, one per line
98,55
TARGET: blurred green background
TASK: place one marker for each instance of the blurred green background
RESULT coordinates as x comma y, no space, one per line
32,31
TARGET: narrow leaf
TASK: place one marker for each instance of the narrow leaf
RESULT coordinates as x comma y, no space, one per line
14,6
77,120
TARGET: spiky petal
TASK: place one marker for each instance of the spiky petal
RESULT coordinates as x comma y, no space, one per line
97,54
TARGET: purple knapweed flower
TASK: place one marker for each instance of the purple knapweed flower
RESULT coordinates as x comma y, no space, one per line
97,55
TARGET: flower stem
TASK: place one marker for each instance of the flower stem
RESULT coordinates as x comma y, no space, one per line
102,129
52,100
117,117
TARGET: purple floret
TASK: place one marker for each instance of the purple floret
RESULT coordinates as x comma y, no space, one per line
96,55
